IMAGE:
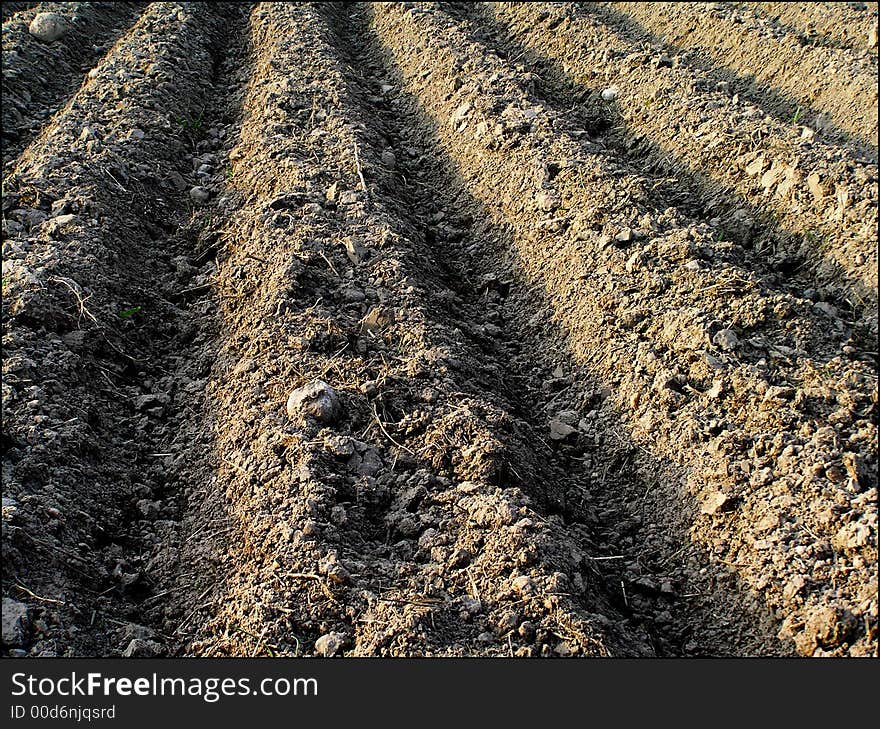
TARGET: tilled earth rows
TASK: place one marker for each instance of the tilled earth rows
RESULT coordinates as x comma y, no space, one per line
581,337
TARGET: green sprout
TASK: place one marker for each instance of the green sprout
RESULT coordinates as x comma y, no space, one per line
128,313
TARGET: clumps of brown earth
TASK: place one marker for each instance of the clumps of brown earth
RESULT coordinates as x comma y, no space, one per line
809,207
46,52
849,25
371,329
832,89
731,363
91,337
378,500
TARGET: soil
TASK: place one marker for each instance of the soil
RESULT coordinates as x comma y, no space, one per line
382,330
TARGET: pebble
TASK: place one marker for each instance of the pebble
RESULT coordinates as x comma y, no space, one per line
716,502
140,648
461,112
48,27
14,623
64,219
316,399
388,159
524,585
624,236
610,94
560,430
200,195
547,201
726,339
826,308
330,644
340,446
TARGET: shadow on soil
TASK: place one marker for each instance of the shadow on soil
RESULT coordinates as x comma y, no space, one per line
728,619
789,259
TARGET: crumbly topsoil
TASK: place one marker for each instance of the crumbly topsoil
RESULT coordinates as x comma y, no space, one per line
374,329
832,89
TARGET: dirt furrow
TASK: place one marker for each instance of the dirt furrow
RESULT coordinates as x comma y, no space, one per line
412,514
807,208
835,25
9,9
95,340
709,364
458,228
39,76
829,89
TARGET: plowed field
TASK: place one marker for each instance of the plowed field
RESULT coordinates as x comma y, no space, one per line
440,329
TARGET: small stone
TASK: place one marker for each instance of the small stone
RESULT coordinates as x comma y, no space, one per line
610,94
338,574
330,644
376,319
15,622
471,605
560,430
48,27
524,585
779,392
140,648
355,250
717,502
341,446
726,339
547,201
316,399
755,167
563,649
826,308
459,558
149,509
624,236
460,113
388,159
793,587
60,220
814,183
200,195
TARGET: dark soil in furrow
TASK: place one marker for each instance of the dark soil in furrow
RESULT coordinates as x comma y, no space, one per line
9,9
100,373
38,77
